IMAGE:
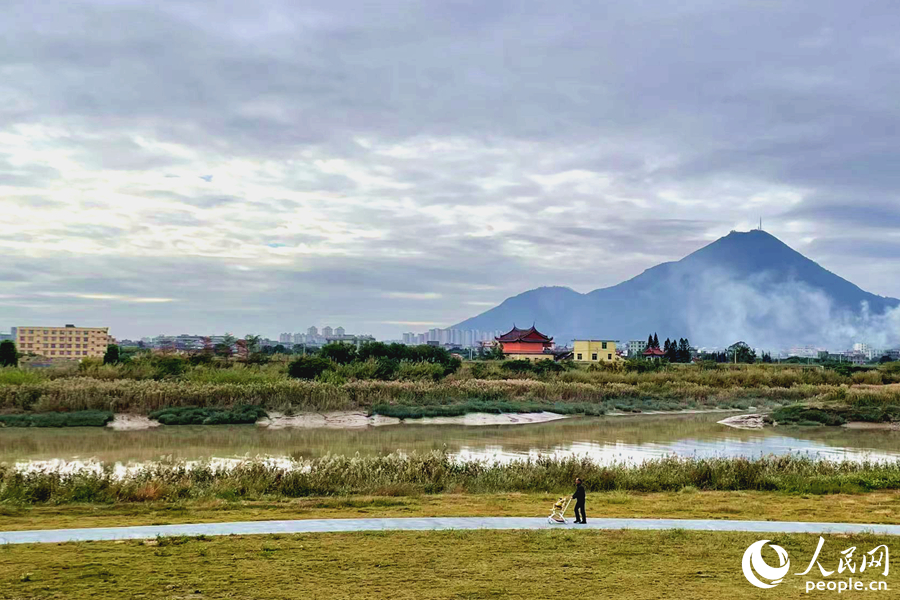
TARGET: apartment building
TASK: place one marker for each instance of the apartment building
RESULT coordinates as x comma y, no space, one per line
595,350
67,342
636,348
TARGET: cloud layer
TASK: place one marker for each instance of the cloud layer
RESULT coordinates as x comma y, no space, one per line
210,166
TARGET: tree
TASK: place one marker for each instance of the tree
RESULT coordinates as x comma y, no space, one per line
308,367
8,355
671,351
342,354
650,341
253,342
655,341
495,353
684,350
112,355
741,353
225,347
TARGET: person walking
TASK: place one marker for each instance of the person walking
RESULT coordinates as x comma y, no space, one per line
578,497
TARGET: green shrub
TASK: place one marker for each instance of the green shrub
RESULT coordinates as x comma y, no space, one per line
13,376
308,367
866,410
520,365
201,359
798,414
542,367
82,418
189,415
169,366
419,371
386,368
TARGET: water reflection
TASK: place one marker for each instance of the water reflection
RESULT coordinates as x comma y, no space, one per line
606,439
620,452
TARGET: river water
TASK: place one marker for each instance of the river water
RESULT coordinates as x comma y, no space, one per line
609,439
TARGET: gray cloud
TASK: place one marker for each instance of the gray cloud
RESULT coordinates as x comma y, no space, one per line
276,164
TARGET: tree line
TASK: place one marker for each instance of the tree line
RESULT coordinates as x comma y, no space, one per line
676,351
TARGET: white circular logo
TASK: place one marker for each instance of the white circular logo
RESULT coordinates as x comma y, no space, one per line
753,563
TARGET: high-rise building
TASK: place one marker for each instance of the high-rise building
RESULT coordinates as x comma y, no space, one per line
312,331
636,347
339,332
285,338
63,342
327,331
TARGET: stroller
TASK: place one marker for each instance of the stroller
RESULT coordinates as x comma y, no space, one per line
557,515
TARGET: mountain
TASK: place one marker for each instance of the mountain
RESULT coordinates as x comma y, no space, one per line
745,286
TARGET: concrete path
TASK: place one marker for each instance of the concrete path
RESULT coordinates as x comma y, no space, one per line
423,524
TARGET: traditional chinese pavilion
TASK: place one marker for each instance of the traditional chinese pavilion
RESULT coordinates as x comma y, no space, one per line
525,343
654,353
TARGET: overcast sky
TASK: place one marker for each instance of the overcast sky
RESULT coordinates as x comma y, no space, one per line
176,167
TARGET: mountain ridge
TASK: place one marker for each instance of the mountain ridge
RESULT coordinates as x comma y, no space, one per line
743,285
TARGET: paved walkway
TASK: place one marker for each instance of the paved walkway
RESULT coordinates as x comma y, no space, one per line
423,524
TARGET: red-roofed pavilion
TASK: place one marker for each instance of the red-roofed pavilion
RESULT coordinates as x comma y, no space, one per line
654,353
525,343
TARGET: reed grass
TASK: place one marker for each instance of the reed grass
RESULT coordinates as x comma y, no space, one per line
437,472
138,388
296,395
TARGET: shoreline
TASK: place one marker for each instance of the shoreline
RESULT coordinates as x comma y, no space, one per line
353,420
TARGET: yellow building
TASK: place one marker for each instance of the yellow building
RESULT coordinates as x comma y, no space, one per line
67,342
595,351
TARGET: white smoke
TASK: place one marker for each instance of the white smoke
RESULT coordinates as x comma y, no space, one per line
722,309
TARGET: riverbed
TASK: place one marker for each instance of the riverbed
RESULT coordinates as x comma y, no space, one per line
630,439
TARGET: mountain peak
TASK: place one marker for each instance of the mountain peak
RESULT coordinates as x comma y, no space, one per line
746,285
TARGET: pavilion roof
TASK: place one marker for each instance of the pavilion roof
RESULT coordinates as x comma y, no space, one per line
654,352
524,335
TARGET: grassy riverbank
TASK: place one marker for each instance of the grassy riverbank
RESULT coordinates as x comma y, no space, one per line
689,503
142,390
414,565
410,475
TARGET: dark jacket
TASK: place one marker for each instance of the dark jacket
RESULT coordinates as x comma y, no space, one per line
578,496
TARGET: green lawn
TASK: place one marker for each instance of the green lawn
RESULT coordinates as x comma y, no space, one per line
416,566
871,507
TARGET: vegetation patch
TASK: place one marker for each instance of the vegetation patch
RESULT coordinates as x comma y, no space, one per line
404,411
837,414
433,565
871,507
190,415
438,472
379,374
81,418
